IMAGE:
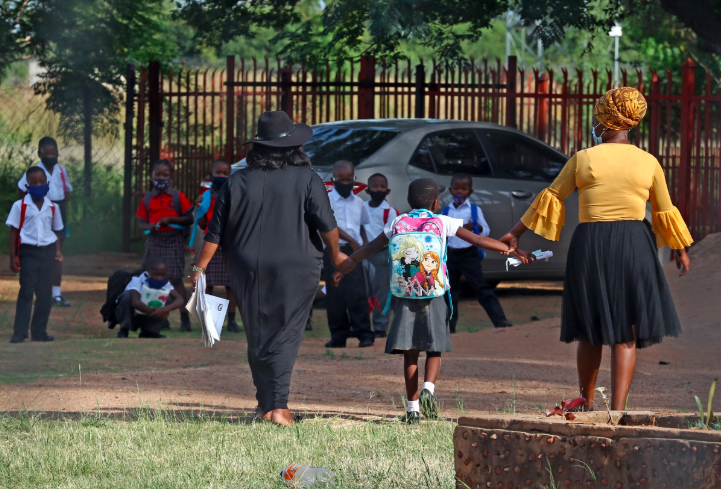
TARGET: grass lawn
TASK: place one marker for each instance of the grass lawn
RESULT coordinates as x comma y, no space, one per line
156,449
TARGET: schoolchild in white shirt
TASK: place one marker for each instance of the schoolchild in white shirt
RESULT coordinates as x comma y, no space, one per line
347,304
59,193
147,301
34,249
378,266
463,259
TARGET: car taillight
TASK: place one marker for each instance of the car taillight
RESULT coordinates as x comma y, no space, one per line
356,189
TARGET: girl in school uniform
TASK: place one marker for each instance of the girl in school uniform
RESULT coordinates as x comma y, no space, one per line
164,214
216,273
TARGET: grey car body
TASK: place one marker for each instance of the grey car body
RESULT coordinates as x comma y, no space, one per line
508,167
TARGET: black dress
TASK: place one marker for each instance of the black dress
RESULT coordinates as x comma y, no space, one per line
268,225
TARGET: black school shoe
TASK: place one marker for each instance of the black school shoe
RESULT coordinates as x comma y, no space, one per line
185,326
17,339
429,406
411,417
504,324
234,327
45,337
58,301
335,344
146,334
122,333
380,334
365,343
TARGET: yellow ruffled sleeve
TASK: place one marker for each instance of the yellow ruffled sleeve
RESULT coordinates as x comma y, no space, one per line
547,213
668,224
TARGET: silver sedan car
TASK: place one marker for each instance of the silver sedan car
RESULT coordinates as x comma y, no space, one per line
509,168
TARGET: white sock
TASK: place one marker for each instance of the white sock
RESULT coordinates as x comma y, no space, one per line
430,386
56,291
414,406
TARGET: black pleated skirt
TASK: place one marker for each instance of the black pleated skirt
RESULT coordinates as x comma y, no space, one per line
614,285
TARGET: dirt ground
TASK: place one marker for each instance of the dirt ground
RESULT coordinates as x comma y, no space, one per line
88,369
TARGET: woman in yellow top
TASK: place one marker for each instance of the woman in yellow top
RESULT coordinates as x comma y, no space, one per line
615,292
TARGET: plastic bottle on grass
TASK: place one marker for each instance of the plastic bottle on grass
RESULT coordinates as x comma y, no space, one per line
296,475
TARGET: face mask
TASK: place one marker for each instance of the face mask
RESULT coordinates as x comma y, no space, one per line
161,184
597,139
218,182
344,189
156,284
38,192
378,196
49,161
458,199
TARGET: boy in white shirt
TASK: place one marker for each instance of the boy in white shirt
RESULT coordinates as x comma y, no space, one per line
147,301
378,266
59,194
463,259
34,249
347,304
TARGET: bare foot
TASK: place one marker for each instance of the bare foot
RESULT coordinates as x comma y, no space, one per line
260,415
282,417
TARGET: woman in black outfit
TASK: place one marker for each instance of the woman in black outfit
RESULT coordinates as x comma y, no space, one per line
271,220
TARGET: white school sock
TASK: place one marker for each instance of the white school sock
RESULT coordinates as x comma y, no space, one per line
430,386
56,291
414,406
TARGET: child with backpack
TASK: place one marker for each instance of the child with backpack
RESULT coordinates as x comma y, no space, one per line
464,259
377,266
147,301
419,285
165,214
215,273
34,249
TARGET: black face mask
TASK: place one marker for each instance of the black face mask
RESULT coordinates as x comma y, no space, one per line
49,161
344,189
378,196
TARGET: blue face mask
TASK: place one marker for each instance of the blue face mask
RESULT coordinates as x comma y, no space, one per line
38,192
218,182
161,184
458,199
597,139
156,284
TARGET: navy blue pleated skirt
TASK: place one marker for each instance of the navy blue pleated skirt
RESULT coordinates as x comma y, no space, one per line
615,290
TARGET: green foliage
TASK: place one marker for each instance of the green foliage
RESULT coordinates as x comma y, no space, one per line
706,419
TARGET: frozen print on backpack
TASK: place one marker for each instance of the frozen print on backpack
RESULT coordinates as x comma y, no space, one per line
418,257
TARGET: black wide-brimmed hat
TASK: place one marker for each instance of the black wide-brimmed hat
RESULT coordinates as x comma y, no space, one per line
276,129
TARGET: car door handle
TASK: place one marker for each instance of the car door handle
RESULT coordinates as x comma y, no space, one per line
520,194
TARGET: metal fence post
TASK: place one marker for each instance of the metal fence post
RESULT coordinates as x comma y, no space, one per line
230,108
128,161
688,88
366,89
511,74
655,120
542,107
420,91
155,111
286,98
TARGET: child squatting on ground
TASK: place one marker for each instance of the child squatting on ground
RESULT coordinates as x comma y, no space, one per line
420,322
216,273
34,249
165,213
147,301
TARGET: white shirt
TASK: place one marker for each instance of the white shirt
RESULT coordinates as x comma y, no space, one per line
376,225
57,189
464,212
350,214
450,226
140,284
39,224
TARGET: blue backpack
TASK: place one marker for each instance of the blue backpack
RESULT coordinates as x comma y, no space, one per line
476,230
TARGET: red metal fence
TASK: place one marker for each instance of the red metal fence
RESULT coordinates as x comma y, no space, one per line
193,116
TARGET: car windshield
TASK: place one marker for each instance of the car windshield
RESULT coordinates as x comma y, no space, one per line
331,144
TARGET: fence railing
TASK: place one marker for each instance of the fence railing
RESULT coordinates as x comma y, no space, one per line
193,116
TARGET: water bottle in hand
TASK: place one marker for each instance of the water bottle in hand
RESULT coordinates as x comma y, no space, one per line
305,476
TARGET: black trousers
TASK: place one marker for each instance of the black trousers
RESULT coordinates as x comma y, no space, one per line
36,279
130,321
347,304
465,261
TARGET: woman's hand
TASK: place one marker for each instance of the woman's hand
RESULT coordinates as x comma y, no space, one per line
194,278
511,240
683,262
346,266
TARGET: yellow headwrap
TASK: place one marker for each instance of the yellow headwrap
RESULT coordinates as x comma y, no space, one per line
621,108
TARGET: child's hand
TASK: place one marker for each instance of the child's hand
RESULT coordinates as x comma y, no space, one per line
335,280
163,222
15,264
469,226
160,313
347,266
355,245
59,257
524,257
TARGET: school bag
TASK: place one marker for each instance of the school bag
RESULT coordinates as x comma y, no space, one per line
116,286
476,229
175,194
23,210
203,209
418,257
